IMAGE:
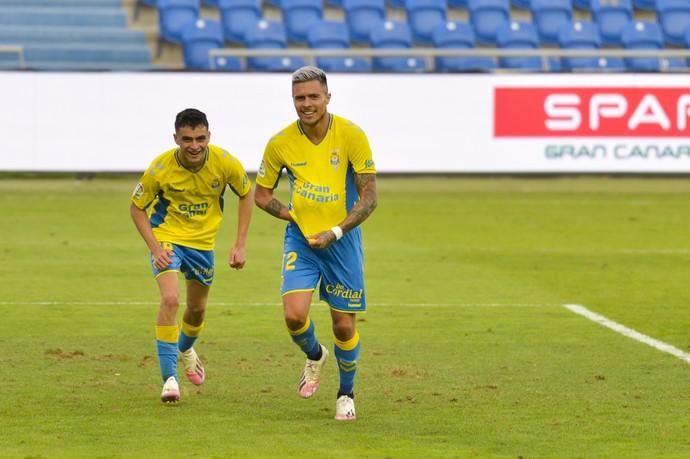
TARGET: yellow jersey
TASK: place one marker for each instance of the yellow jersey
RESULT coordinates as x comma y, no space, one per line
186,207
321,176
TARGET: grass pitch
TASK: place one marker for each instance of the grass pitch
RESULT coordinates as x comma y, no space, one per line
467,348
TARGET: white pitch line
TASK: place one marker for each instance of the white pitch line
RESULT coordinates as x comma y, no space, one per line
629,332
238,303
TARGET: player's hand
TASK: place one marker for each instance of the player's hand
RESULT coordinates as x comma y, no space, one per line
237,258
161,258
321,240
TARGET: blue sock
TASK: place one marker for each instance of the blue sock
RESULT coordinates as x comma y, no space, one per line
166,345
305,338
167,358
346,353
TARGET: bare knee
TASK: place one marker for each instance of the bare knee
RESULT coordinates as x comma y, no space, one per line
170,301
294,321
343,330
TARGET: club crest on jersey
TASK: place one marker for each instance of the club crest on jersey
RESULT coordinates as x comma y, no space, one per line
335,159
138,191
216,183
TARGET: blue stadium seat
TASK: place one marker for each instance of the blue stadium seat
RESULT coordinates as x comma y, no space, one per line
579,35
267,34
236,16
582,5
520,4
610,64
518,35
459,4
611,16
173,16
424,16
649,5
394,35
486,17
642,35
198,38
687,42
550,17
672,64
361,16
335,35
335,4
674,18
210,3
298,16
226,64
458,35
396,3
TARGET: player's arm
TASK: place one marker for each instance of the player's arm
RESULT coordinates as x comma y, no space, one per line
365,205
238,253
264,199
161,257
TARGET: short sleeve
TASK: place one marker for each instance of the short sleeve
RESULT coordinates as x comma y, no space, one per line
360,154
238,181
146,190
269,170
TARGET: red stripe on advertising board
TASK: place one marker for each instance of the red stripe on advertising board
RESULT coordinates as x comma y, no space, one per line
591,112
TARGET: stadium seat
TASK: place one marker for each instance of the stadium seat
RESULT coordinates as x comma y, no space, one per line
298,16
458,35
394,35
550,17
582,5
334,35
210,3
267,34
642,35
459,4
579,35
236,16
674,18
424,16
225,64
672,64
198,38
335,4
396,3
611,17
173,16
486,17
518,35
649,5
361,16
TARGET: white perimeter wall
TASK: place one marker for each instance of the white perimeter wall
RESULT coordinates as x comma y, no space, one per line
415,123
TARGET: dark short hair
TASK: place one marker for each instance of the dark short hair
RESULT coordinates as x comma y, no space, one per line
191,117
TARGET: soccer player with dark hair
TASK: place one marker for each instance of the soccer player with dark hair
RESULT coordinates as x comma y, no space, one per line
177,207
333,190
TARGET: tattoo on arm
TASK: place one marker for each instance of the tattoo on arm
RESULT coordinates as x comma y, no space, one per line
274,207
365,205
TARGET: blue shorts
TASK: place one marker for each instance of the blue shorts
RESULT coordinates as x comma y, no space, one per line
339,268
193,263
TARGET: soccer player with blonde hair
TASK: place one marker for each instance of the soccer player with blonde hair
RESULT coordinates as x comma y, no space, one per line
333,190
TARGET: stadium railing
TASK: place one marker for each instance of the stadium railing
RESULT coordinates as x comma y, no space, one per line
13,49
